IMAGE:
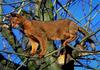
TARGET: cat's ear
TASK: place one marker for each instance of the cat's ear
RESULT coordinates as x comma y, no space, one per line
15,15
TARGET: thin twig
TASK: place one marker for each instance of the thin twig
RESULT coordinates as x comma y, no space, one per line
12,3
90,12
53,52
84,51
83,9
89,59
66,5
16,2
67,11
22,64
4,51
86,66
48,64
14,9
88,36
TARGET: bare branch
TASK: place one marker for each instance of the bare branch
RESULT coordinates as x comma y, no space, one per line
16,2
22,64
90,12
88,36
67,11
86,66
21,54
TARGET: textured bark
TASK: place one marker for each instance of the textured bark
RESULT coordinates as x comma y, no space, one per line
40,11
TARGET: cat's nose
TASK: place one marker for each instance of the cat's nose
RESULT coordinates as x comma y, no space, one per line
12,25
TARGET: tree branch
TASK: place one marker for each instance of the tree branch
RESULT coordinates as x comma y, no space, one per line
88,36
16,2
20,54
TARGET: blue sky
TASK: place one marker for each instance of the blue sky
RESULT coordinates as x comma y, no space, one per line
76,11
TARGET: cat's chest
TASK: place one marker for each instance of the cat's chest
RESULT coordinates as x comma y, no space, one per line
28,32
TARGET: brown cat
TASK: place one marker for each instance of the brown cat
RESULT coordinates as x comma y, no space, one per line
39,32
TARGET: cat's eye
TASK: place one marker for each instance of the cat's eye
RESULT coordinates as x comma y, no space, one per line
13,22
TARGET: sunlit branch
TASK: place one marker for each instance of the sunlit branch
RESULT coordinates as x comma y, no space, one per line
20,9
